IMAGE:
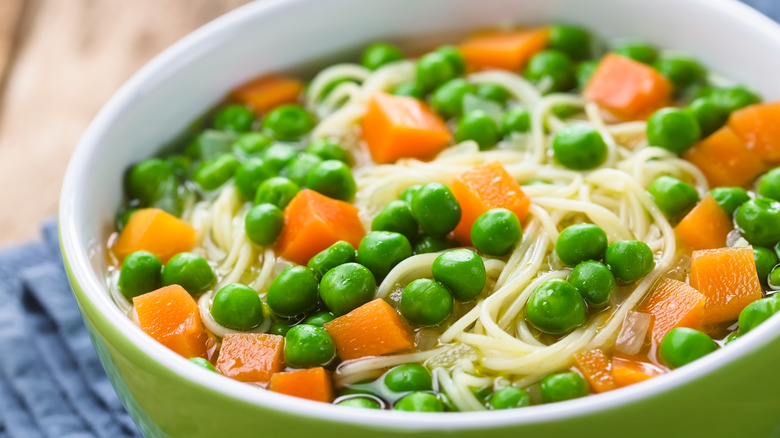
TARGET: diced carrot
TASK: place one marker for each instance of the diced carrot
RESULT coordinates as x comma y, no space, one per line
728,280
312,384
266,92
627,371
171,316
628,88
758,126
313,222
402,127
482,188
706,226
250,357
725,160
156,231
673,304
505,50
372,329
597,369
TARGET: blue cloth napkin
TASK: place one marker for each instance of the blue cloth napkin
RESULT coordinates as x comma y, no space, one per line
51,381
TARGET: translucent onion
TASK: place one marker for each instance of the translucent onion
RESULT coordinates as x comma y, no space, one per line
633,333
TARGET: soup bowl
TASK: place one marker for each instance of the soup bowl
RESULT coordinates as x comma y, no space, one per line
732,392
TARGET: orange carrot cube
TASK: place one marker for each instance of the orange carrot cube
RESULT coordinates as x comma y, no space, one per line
706,226
758,126
597,369
250,357
725,160
156,231
313,222
171,316
312,384
482,188
266,92
673,304
505,50
372,329
402,127
627,371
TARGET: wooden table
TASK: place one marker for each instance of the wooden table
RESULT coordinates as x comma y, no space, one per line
60,61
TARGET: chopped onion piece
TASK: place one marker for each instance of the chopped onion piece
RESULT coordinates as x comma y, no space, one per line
633,333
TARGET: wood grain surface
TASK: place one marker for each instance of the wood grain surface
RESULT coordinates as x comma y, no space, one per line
60,61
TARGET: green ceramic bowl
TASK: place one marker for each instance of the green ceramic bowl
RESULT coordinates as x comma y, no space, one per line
730,393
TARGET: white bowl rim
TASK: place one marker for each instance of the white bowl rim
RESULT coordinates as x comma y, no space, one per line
76,255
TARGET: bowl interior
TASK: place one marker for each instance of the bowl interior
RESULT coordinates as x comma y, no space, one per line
272,36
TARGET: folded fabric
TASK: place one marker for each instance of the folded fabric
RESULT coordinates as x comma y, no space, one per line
51,381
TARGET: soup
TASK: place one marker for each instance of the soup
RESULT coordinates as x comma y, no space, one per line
528,217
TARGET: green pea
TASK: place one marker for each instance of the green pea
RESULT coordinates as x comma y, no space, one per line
263,223
447,99
308,346
430,244
572,40
462,271
552,70
674,197
181,165
493,92
147,181
210,144
759,221
683,71
328,150
408,194
250,174
496,232
516,119
732,337
683,345
436,209
583,71
397,217
563,386
251,144
769,185
378,54
141,273
579,147
757,312
360,402
236,118
673,129
409,89
319,319
579,243
380,251
333,179
629,260
556,307
278,191
478,126
327,89
190,271
419,402
280,327
293,292
214,173
730,99
301,167
774,278
454,57
509,398
564,111
237,307
434,69
425,303
765,260
347,287
594,281
337,254
287,122
203,363
408,377
730,198
278,156
638,51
